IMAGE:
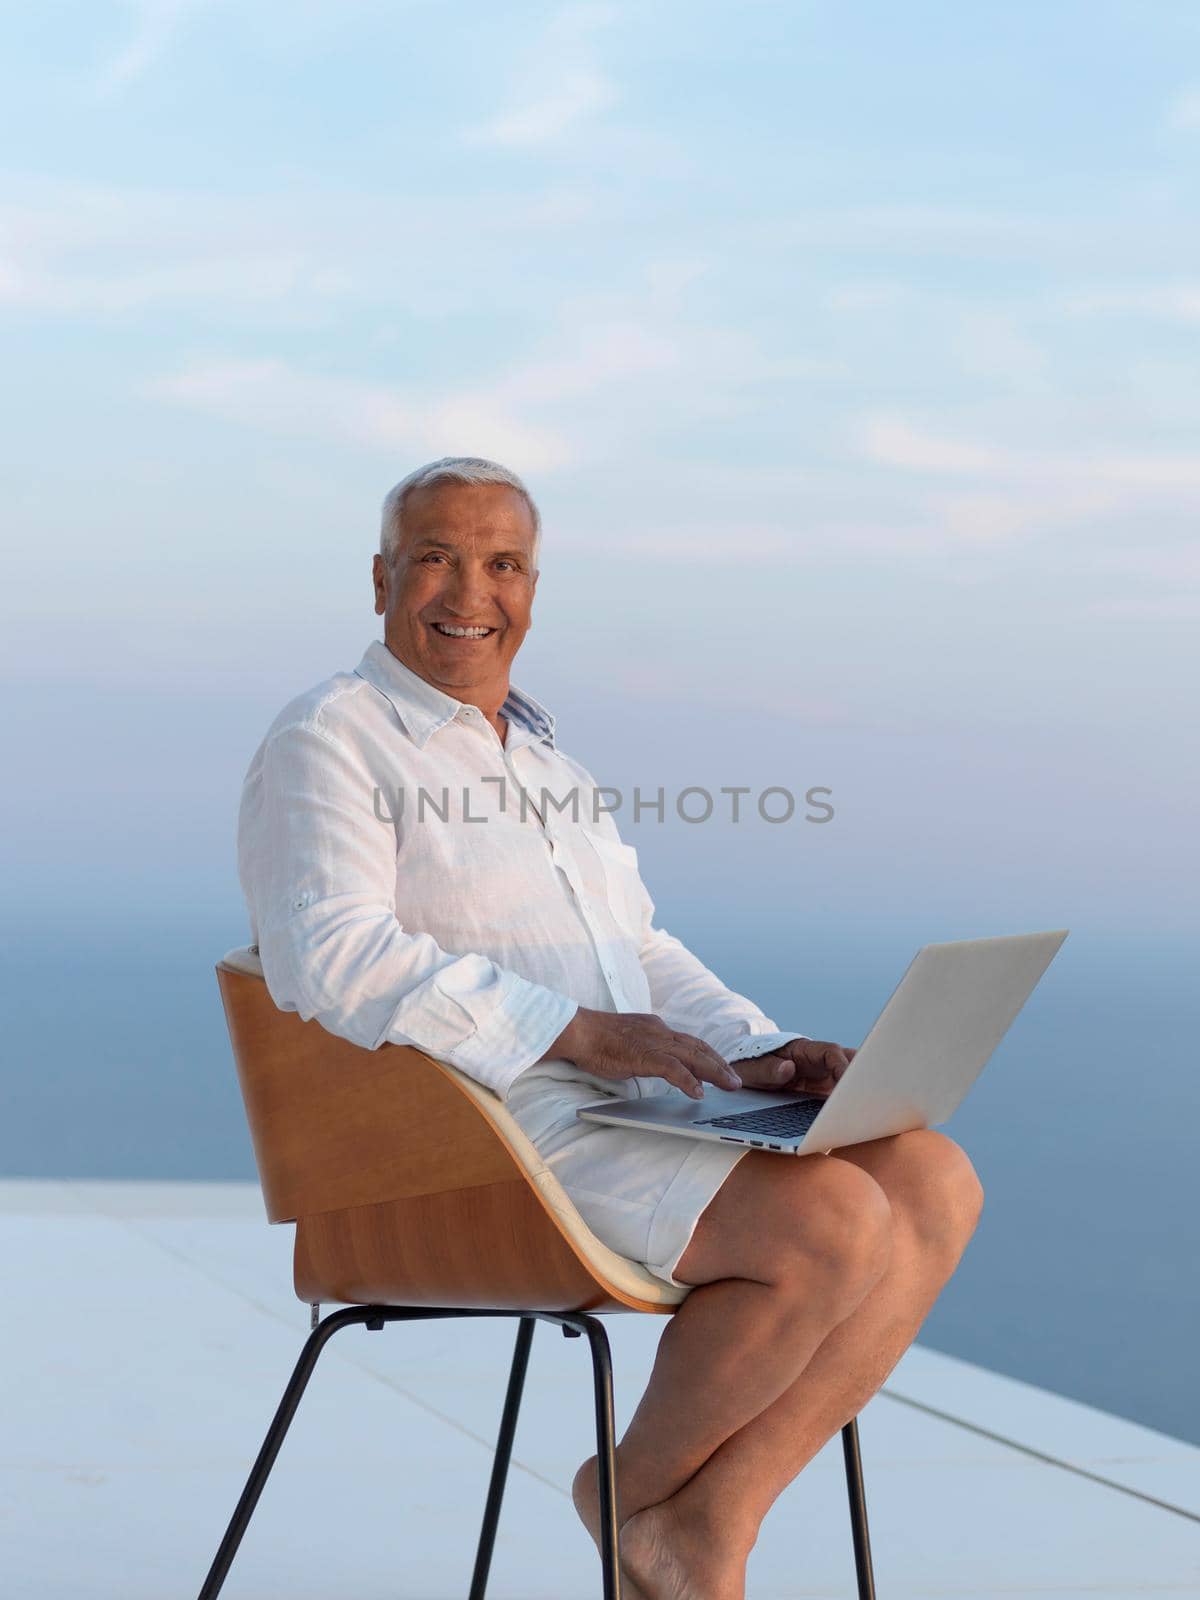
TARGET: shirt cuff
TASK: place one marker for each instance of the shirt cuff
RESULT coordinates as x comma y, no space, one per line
759,1044
517,1035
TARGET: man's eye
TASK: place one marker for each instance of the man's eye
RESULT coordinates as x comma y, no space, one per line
511,565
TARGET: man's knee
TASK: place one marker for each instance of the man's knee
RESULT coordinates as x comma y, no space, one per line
813,1224
836,1226
936,1186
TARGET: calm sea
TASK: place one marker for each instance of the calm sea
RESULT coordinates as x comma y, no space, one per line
1082,1277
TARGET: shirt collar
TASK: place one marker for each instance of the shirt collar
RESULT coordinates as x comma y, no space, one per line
425,709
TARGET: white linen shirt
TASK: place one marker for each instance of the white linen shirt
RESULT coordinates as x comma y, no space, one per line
451,921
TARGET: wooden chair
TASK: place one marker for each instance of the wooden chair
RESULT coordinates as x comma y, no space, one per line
417,1195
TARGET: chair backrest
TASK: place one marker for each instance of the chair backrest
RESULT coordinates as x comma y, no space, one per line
409,1182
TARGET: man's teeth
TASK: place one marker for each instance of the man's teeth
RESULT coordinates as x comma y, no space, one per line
462,633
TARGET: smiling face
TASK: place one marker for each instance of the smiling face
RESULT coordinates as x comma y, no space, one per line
457,597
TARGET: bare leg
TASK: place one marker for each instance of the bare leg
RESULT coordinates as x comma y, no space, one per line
784,1253
936,1202
693,1534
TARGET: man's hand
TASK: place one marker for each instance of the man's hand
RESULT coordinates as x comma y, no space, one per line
809,1066
637,1044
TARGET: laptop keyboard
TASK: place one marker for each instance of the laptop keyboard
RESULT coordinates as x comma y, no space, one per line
782,1121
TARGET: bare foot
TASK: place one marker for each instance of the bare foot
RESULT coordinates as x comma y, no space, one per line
662,1556
670,1559
585,1492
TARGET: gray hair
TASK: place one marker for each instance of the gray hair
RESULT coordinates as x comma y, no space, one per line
450,469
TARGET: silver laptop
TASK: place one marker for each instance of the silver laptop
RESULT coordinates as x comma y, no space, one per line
929,1044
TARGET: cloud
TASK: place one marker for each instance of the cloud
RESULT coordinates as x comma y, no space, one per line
612,350
76,249
1149,608
1004,517
911,229
992,343
155,26
1168,473
276,397
559,85
1183,113
236,280
702,545
1015,492
867,295
1172,302
894,442
613,372
1170,564
502,418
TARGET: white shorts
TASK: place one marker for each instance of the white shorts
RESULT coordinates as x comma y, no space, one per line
640,1192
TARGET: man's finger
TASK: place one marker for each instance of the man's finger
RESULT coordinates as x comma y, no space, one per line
832,1057
697,1047
818,1053
704,1061
775,1072
669,1066
766,1071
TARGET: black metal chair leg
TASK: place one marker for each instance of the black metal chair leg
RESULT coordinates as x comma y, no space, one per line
572,1323
602,1385
858,1511
276,1434
504,1444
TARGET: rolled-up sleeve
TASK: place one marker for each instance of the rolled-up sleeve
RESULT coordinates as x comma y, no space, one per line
318,870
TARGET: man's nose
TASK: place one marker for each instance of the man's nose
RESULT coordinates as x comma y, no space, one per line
467,593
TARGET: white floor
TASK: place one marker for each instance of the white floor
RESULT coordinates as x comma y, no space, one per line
150,1328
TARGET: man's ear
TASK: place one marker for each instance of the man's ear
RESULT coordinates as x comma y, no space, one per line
379,579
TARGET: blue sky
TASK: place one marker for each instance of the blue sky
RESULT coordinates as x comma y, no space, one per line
850,351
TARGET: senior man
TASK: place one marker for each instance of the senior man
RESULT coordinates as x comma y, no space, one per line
416,871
